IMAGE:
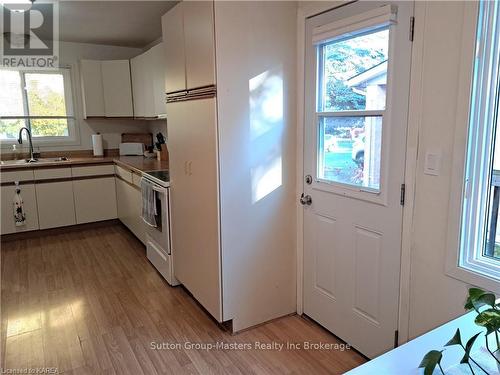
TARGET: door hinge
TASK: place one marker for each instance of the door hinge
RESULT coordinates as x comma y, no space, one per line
396,338
403,193
412,28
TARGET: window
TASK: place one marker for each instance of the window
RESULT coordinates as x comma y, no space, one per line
40,101
480,235
351,101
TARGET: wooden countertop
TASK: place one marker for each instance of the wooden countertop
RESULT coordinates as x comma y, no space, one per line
141,164
138,163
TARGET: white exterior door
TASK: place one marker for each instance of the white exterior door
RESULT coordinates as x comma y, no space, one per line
356,102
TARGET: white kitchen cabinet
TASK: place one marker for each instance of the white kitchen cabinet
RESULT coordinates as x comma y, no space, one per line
173,39
158,57
117,88
148,82
92,90
129,207
199,42
188,35
106,88
139,77
95,199
55,202
7,224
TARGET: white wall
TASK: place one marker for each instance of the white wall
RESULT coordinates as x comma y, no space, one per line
256,71
435,297
111,129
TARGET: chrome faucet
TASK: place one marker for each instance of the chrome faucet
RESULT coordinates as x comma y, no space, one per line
20,140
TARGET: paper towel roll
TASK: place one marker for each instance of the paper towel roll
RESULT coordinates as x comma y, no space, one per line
97,144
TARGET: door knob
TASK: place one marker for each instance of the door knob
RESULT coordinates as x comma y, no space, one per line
305,200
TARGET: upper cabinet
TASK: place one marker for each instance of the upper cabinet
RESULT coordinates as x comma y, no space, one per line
188,35
148,83
107,90
199,42
158,56
173,39
139,72
92,92
117,88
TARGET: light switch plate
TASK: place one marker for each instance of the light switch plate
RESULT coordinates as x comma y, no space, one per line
432,163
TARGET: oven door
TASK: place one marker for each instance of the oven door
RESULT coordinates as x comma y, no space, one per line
160,233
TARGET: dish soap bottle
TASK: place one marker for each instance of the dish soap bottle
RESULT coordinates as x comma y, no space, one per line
15,153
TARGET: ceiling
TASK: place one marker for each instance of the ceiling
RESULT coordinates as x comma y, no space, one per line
119,23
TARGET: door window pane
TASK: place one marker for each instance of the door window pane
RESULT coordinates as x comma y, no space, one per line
492,248
353,73
45,94
349,150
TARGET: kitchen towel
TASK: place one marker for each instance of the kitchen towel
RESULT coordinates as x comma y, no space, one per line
97,144
18,205
148,203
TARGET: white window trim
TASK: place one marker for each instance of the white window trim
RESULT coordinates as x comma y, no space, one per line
456,265
73,137
368,25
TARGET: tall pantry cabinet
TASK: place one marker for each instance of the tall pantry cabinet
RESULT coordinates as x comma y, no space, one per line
235,255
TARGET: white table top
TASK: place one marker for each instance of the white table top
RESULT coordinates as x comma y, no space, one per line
406,358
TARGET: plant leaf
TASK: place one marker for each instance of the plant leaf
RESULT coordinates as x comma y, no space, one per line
430,361
474,293
484,299
477,298
468,348
490,319
456,339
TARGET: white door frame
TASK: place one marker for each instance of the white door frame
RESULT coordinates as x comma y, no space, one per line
303,13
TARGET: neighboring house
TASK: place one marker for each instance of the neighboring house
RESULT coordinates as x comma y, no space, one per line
372,84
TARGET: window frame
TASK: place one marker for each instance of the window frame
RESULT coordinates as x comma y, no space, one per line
466,239
377,196
69,97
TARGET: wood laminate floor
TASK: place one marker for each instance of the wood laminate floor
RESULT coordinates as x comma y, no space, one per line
89,302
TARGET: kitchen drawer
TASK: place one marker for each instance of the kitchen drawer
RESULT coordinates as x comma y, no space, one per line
136,179
93,170
52,173
124,174
11,176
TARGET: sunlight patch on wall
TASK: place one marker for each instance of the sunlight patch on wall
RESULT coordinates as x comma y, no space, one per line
266,178
266,103
266,132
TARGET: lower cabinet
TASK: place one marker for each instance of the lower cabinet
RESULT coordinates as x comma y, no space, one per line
129,204
56,207
63,196
7,223
95,199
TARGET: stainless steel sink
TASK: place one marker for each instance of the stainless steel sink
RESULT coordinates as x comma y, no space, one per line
38,161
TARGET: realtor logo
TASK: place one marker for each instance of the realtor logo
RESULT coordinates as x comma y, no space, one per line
30,34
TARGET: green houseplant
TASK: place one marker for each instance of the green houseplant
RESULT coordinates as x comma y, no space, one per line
488,316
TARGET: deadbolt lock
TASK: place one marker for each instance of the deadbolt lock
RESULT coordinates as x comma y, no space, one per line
309,179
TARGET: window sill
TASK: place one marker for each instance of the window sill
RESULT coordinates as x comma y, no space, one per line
474,278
